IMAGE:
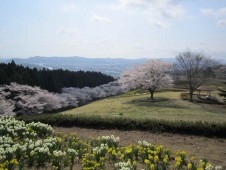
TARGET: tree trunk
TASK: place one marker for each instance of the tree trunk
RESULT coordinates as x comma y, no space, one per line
152,93
190,89
191,96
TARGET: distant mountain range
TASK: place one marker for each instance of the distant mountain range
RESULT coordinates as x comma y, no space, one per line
109,66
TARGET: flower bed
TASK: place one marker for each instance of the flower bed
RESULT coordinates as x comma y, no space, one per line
26,146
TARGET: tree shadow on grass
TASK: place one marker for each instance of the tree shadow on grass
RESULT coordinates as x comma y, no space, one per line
157,102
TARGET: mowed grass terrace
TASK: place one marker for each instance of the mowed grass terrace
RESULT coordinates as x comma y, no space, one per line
167,105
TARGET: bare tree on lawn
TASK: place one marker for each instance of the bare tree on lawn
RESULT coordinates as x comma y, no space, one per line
193,65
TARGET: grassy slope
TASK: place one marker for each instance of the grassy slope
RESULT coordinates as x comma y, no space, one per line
168,106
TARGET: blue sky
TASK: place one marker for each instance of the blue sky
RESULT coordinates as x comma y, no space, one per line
112,28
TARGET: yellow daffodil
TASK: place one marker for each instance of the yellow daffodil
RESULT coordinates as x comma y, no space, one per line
110,150
122,157
150,157
189,166
156,158
134,163
152,167
146,161
192,158
166,159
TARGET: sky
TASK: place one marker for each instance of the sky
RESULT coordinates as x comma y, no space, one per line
112,28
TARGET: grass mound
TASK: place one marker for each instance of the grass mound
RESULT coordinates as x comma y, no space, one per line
167,105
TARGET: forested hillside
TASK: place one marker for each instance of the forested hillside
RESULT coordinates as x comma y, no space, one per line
51,80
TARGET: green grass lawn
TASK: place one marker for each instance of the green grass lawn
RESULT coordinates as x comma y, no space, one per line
168,105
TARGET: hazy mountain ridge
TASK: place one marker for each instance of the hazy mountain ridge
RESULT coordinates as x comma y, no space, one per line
110,66
75,60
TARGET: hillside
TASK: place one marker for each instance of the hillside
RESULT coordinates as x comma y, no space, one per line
168,106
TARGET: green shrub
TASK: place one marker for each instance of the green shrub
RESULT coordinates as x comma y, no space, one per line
155,125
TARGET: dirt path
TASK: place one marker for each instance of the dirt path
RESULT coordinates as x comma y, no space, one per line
213,149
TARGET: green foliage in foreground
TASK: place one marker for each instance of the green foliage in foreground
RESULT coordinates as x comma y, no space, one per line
156,125
36,145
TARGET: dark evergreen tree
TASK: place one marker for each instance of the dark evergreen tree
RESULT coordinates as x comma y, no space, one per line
51,80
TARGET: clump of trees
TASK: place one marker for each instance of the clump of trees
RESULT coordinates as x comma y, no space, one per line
51,80
193,66
152,75
24,99
88,94
155,74
6,106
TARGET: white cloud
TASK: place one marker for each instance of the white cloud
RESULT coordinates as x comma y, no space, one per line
221,22
218,14
103,41
222,12
67,31
158,22
70,7
138,4
160,13
207,12
97,18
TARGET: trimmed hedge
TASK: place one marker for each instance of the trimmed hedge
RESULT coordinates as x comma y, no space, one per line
200,128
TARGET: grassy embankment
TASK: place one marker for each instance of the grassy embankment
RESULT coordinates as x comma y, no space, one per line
134,110
167,106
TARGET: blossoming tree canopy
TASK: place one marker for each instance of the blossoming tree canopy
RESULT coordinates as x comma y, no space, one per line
150,76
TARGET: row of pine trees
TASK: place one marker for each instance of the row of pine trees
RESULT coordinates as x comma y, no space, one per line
51,80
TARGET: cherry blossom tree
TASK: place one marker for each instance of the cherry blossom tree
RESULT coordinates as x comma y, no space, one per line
23,99
87,94
151,76
6,107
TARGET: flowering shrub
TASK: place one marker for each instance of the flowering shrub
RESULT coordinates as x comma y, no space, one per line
23,99
40,128
26,146
111,141
124,165
87,94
